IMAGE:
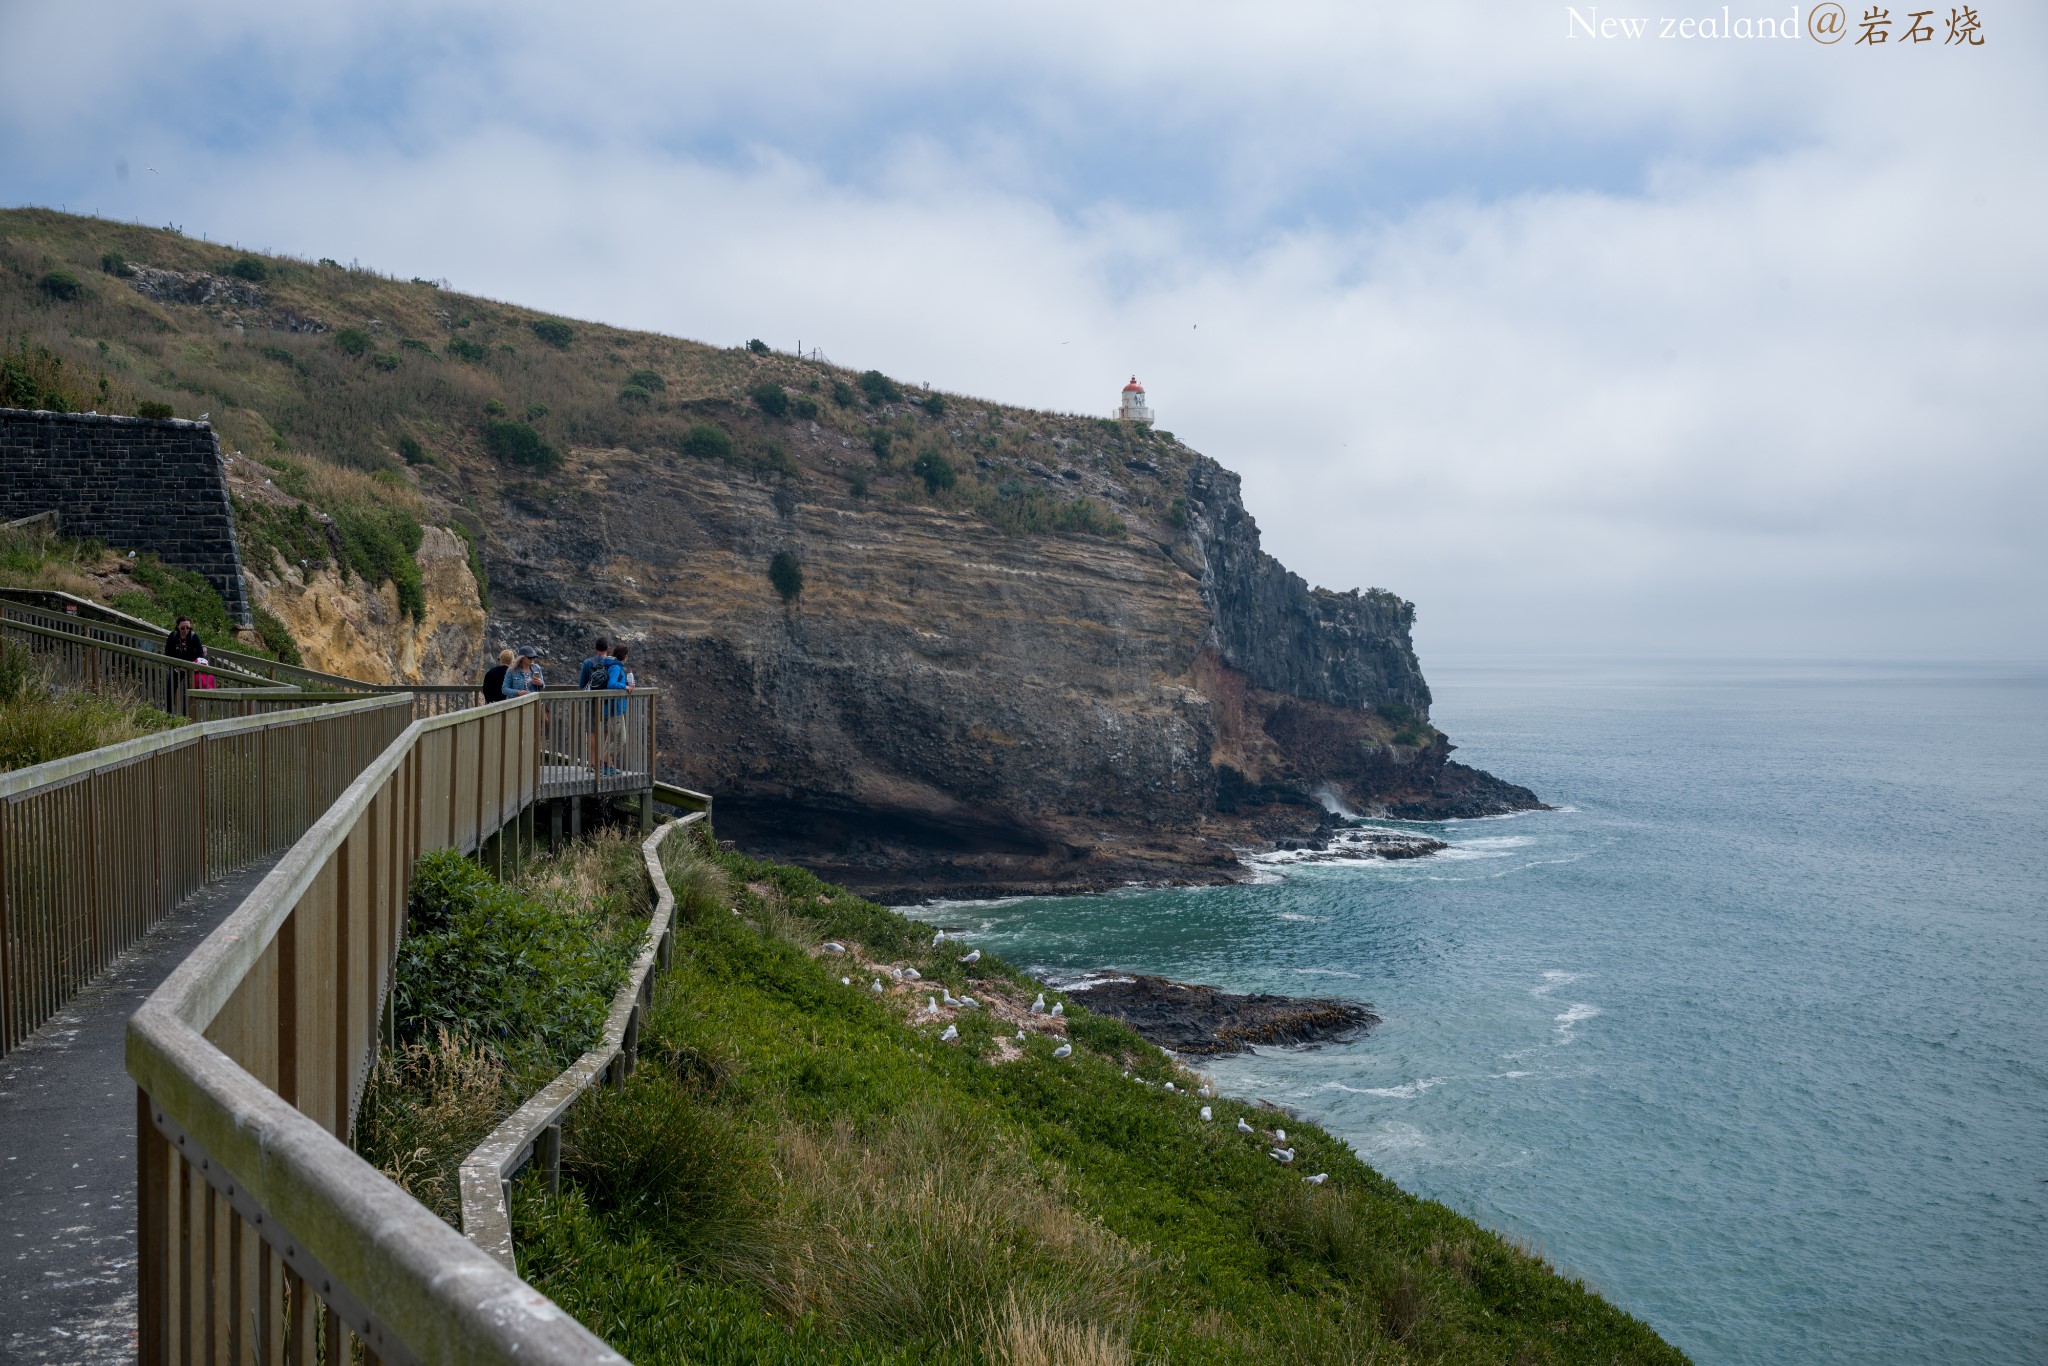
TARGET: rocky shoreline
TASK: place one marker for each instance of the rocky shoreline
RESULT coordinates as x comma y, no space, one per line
1190,1018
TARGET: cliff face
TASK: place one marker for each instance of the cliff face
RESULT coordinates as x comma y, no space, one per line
949,710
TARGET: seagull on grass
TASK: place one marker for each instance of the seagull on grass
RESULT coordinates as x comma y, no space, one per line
1282,1155
1038,1006
1020,1034
834,946
846,981
1243,1127
969,1002
1205,1091
948,997
1316,1180
876,986
938,938
1064,1050
952,1033
912,975
1281,1135
931,1005
1059,1007
974,957
1206,1114
1171,1087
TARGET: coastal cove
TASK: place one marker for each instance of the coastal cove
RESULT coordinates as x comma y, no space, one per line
1746,1033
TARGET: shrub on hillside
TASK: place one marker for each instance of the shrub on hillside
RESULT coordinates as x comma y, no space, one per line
352,341
843,394
384,361
879,387
536,411
249,268
707,442
150,408
62,284
758,347
462,348
880,442
412,452
787,574
553,331
633,396
114,263
935,404
936,471
650,380
770,399
516,443
805,408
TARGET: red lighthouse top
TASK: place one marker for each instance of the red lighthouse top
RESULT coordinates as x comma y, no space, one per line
1134,385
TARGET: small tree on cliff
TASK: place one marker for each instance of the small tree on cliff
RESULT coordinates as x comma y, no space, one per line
787,574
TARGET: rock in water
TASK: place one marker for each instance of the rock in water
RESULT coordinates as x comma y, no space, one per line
1207,1020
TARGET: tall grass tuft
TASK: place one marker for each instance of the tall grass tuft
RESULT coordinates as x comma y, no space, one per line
427,1105
38,723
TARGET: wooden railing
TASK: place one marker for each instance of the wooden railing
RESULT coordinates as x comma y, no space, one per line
597,742
81,664
534,1131
96,848
261,1234
42,609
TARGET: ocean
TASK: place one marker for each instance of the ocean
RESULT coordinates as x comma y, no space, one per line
1749,1034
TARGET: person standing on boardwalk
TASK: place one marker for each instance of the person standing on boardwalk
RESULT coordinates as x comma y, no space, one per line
617,678
519,681
595,664
182,643
494,678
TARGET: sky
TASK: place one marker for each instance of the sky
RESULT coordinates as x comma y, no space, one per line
1687,345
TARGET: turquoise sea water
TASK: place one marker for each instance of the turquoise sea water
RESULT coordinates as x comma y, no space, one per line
1750,1035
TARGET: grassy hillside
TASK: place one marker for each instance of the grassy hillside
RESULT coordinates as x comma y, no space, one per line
804,1170
465,398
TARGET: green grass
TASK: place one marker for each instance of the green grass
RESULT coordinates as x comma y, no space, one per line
795,1174
38,724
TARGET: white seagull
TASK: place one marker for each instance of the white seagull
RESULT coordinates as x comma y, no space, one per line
969,1002
1206,1114
952,1033
1171,1087
938,938
1038,1006
1243,1127
896,974
1063,1050
1282,1155
912,975
1020,1033
931,1005
846,981
1317,1179
1059,1007
974,957
1280,1134
948,997
1205,1091
876,986
833,946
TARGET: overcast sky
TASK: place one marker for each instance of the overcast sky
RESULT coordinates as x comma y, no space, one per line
1656,345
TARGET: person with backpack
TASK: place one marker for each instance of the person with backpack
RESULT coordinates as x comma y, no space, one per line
596,663
615,678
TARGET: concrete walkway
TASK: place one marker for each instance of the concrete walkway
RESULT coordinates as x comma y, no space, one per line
67,1155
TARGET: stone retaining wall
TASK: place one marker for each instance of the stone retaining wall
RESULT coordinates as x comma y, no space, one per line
135,483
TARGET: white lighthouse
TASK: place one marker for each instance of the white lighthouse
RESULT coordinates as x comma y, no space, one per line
1134,409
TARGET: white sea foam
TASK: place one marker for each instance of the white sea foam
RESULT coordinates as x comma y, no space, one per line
1552,981
1086,980
1408,1091
1296,915
1324,972
1575,1013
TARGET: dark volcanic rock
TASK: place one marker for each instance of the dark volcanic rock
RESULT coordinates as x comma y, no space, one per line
1200,1019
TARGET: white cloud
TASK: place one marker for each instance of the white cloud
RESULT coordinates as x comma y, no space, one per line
1667,347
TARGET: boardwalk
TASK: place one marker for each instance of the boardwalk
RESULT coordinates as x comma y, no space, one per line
67,1155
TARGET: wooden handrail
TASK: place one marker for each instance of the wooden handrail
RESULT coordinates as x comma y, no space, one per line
152,659
260,1228
534,1129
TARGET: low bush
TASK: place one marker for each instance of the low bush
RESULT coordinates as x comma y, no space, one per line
553,331
114,263
276,637
843,394
633,396
1026,509
503,966
1177,513
38,724
412,452
352,341
384,361
787,574
935,404
936,471
758,347
650,380
151,409
706,441
517,443
805,408
250,268
857,482
462,348
63,285
771,399
163,593
879,442
879,387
